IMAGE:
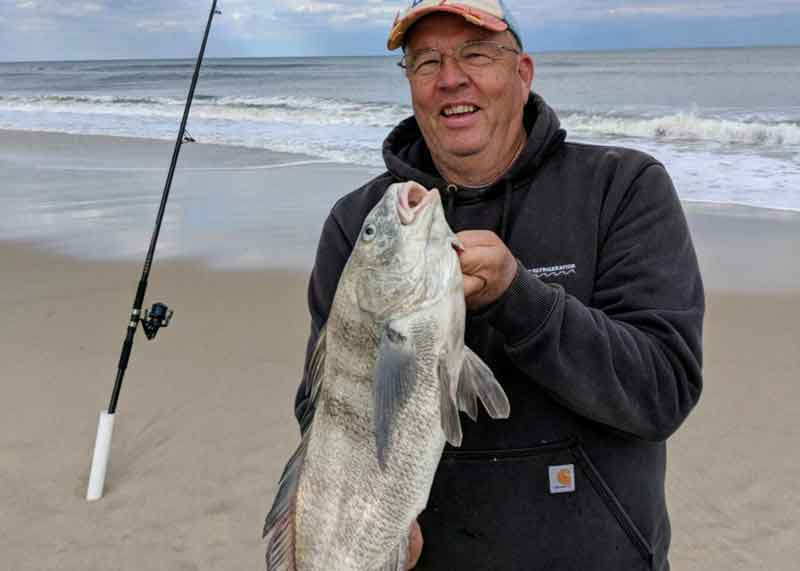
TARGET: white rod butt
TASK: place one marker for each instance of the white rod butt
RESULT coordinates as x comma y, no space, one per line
102,449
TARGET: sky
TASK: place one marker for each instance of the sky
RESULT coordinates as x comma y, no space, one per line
110,29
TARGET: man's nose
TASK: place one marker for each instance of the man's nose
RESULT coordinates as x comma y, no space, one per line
450,73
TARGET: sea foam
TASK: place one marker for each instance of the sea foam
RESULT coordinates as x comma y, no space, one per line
307,110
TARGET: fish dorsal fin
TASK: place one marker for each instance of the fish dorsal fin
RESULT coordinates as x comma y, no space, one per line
279,524
475,381
317,364
395,374
316,367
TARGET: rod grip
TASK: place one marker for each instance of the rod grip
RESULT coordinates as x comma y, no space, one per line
102,449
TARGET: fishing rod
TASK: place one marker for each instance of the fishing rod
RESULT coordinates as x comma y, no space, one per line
159,314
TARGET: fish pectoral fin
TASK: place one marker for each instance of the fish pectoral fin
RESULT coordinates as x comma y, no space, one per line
395,374
477,381
397,558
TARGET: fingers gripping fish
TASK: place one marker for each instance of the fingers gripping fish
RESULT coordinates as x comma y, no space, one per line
387,378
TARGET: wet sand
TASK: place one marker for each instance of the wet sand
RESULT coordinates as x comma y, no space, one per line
231,207
205,424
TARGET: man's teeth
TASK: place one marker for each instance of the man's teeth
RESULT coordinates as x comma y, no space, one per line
459,109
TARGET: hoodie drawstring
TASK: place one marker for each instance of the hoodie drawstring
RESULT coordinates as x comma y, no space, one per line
450,200
506,209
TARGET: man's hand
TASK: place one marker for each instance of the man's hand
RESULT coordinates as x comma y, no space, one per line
414,545
488,266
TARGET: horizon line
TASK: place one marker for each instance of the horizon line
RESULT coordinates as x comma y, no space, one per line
532,51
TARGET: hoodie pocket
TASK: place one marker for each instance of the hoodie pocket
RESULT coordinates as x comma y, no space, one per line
545,507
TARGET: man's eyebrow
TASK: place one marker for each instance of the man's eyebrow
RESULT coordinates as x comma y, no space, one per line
415,53
482,36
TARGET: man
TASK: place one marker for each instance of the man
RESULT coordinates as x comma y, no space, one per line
583,296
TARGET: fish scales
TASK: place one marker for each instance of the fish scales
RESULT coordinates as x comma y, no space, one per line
385,395
373,499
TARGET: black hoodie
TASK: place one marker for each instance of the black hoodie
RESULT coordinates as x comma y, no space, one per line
597,343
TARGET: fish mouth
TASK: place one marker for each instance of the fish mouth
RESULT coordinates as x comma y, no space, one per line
412,200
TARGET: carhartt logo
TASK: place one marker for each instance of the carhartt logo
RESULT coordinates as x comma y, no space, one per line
562,478
553,271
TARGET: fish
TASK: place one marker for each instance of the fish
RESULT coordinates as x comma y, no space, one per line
386,381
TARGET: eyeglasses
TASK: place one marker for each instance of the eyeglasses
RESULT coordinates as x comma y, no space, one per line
472,55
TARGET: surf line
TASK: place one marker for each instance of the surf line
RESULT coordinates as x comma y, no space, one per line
267,166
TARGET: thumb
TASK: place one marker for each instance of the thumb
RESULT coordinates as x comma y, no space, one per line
415,543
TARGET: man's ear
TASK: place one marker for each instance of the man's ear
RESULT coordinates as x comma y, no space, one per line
525,70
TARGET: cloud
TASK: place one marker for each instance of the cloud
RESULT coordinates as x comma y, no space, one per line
55,9
318,14
538,12
160,25
316,8
44,29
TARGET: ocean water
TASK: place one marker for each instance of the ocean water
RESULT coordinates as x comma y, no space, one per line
726,122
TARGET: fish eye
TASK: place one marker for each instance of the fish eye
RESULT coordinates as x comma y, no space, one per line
369,232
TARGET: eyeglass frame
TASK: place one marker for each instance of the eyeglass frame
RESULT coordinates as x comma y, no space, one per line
452,52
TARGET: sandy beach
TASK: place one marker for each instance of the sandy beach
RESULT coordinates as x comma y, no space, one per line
205,420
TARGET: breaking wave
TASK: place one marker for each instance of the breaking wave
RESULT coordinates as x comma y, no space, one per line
309,111
284,109
688,127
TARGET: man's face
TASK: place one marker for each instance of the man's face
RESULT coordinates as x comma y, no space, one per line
495,95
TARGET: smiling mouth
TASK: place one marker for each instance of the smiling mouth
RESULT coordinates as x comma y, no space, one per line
459,110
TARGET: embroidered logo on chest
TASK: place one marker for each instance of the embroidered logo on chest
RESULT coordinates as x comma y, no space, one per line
554,271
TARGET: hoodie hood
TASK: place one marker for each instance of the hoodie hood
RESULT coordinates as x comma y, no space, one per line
407,156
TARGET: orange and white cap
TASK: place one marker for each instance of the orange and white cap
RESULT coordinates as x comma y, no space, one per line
489,14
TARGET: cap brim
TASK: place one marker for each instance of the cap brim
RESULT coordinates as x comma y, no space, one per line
471,15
